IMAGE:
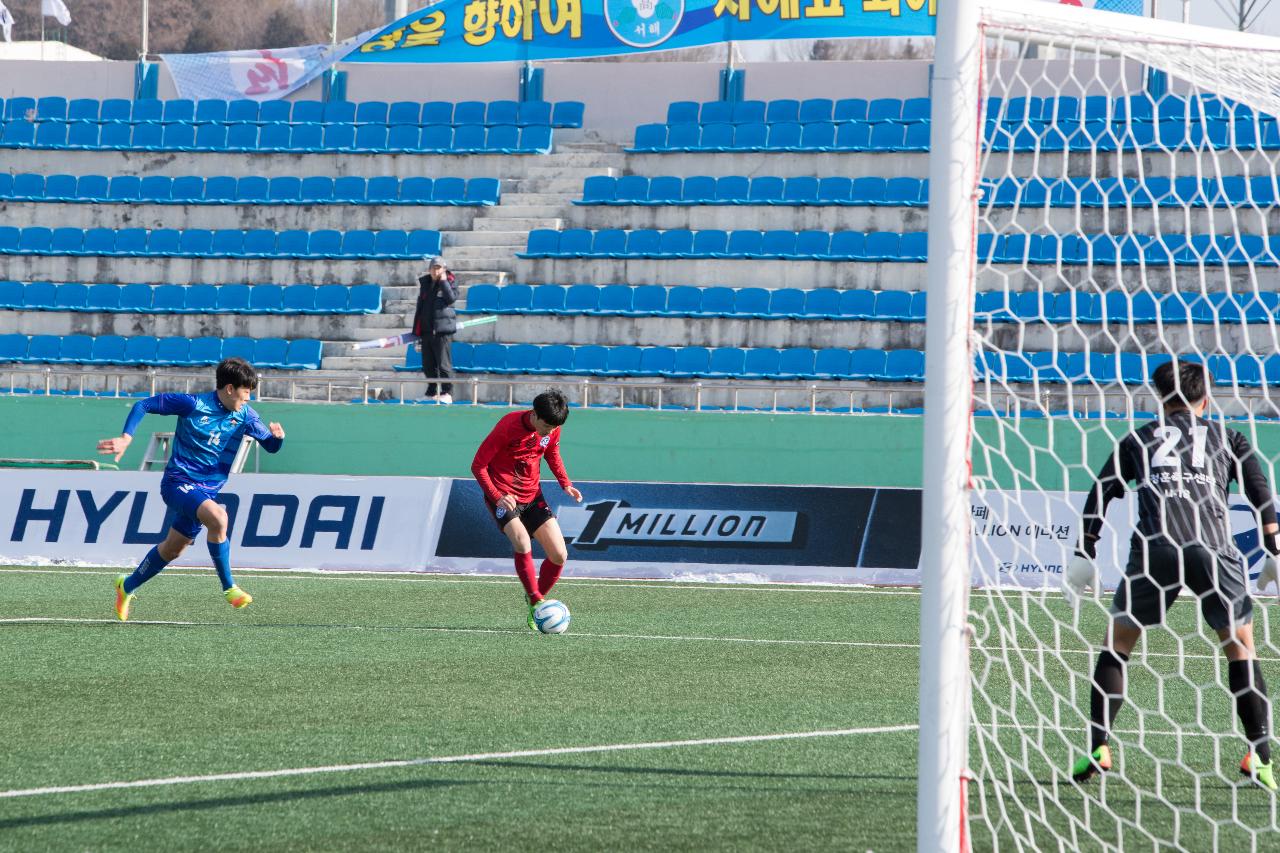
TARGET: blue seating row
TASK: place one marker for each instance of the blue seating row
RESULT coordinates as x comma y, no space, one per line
1063,108
622,300
783,136
301,138
1154,190
683,362
737,189
244,111
890,246
223,243
252,189
1106,368
159,352
192,299
1123,308
1171,134
714,243
1187,191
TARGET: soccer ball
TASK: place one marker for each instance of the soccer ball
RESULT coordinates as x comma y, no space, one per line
551,616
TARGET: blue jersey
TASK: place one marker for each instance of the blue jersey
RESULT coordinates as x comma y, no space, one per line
207,437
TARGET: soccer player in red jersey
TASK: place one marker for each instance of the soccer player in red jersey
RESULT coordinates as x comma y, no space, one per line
507,466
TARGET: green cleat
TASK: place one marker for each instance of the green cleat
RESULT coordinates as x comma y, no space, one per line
1262,774
1087,766
123,600
533,626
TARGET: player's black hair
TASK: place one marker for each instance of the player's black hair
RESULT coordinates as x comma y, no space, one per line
551,407
237,373
1180,384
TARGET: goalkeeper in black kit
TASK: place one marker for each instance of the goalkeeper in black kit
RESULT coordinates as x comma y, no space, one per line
1182,466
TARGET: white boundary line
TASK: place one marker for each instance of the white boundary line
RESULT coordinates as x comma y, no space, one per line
571,635
445,759
433,577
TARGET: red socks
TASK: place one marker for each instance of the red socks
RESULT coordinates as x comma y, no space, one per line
529,580
548,575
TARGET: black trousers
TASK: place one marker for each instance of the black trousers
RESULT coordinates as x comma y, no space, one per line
437,362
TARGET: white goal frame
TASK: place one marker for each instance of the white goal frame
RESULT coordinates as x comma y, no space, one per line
1223,58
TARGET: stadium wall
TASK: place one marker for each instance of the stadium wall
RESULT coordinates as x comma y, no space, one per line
602,444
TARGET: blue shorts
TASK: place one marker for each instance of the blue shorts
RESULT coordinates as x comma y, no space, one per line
183,499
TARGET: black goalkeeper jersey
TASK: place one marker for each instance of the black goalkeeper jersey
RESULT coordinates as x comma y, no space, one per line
1183,467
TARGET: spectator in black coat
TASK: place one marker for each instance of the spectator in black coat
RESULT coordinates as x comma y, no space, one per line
435,322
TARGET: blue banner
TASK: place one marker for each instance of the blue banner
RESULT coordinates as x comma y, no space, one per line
517,30
844,528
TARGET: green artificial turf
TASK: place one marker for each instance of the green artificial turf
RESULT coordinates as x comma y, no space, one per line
330,670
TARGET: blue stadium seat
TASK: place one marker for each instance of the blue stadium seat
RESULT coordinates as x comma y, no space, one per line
529,113
676,243
210,111
869,191
745,244
383,189
726,363
644,243
887,136
204,350
782,110
599,189
108,349
210,137
337,137
364,299
341,112
543,242
848,245
649,137
582,299
227,243
554,360
173,351
188,189
767,190
102,297
467,112
850,109
18,134
99,241
161,242
259,243
469,138
178,137
732,189
500,112
51,134
75,349
449,191
800,191
156,189
200,299
83,109
666,189
67,241
140,349
70,297
232,298
710,243
275,112
534,140
243,137
44,349
422,243
60,188
284,189
751,302
760,364
835,190
619,361
324,243
657,361
266,299
568,114
299,299
812,244
316,189
751,137
370,137
331,299
881,245
35,240
717,302
607,243
818,136
239,347
483,299
403,137
547,299
147,110
684,301
632,189
778,244
796,363
309,138
350,189
82,134
390,243
831,364
241,111
13,348
884,109
513,299
715,137
905,191
867,364
615,300
785,303
146,137
700,189
416,190
301,355
784,136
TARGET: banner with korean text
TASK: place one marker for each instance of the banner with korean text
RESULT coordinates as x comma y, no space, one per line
521,30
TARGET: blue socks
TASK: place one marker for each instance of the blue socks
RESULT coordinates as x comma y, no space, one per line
147,569
221,554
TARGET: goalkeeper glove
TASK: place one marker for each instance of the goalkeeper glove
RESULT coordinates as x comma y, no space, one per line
1081,574
1268,574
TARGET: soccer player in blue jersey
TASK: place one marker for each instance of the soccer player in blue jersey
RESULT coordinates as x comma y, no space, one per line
210,428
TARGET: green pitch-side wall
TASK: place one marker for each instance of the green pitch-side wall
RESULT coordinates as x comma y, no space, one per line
604,444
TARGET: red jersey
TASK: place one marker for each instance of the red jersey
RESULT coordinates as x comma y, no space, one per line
508,461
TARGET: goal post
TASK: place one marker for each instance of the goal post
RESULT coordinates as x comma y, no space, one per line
1103,195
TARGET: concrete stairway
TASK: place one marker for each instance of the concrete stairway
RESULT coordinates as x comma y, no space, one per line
541,198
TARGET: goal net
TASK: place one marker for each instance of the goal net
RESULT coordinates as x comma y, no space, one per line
1123,201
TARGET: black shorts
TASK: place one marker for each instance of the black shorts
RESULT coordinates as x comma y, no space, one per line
532,515
1153,579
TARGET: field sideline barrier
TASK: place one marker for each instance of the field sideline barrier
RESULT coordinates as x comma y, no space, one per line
622,529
